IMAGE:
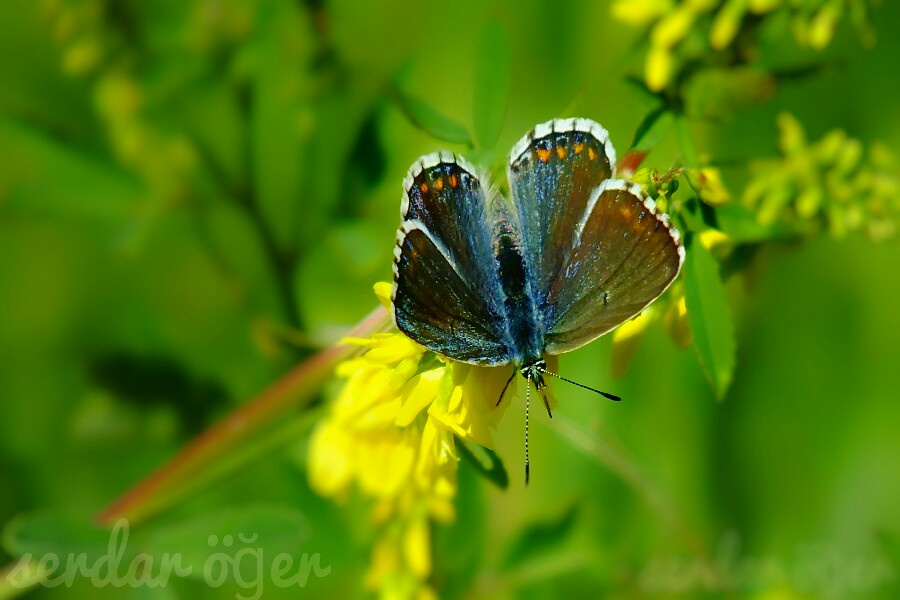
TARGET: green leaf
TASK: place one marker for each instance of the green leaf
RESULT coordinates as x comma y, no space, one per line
459,548
45,175
281,120
741,224
258,532
432,122
686,143
646,95
485,461
43,533
652,129
491,91
248,539
540,538
235,244
709,315
717,93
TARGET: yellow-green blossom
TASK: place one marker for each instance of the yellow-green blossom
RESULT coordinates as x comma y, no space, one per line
708,181
671,309
626,339
832,181
715,25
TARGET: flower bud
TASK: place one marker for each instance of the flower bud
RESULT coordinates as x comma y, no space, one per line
660,63
726,23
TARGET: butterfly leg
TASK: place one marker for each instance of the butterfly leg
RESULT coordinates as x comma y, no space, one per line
503,393
541,387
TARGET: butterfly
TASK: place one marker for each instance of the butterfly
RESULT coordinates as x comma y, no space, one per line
571,255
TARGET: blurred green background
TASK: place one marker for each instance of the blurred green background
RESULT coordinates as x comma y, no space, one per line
195,196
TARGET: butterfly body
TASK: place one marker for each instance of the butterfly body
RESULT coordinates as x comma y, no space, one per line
522,316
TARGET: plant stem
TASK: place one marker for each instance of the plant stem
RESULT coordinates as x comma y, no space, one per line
205,453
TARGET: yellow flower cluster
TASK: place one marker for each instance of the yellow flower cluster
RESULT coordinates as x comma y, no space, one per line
716,23
391,433
831,180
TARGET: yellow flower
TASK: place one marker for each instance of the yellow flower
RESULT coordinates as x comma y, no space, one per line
660,64
677,28
677,323
392,433
726,23
626,339
822,25
711,238
469,410
673,27
708,181
638,12
763,6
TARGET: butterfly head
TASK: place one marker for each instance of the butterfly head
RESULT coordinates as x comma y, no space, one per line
533,371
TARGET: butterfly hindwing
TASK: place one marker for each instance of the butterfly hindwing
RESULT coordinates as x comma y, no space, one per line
623,257
446,293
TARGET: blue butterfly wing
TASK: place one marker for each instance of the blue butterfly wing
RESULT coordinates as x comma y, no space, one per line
552,171
587,275
624,256
446,293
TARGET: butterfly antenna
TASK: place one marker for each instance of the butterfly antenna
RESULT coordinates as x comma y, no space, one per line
527,401
508,381
612,397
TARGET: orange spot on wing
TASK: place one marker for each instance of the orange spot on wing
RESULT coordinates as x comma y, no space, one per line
561,152
424,187
579,147
543,154
592,154
439,183
454,180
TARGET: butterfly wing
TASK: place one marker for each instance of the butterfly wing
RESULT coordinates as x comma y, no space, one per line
623,257
446,293
592,264
552,171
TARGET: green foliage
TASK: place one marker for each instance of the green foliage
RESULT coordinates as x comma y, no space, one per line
492,84
710,316
486,463
213,187
432,122
45,533
540,537
652,129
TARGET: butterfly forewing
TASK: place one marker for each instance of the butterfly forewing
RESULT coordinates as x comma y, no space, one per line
624,256
446,292
552,172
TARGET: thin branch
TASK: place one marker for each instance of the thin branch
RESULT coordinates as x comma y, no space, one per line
293,391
